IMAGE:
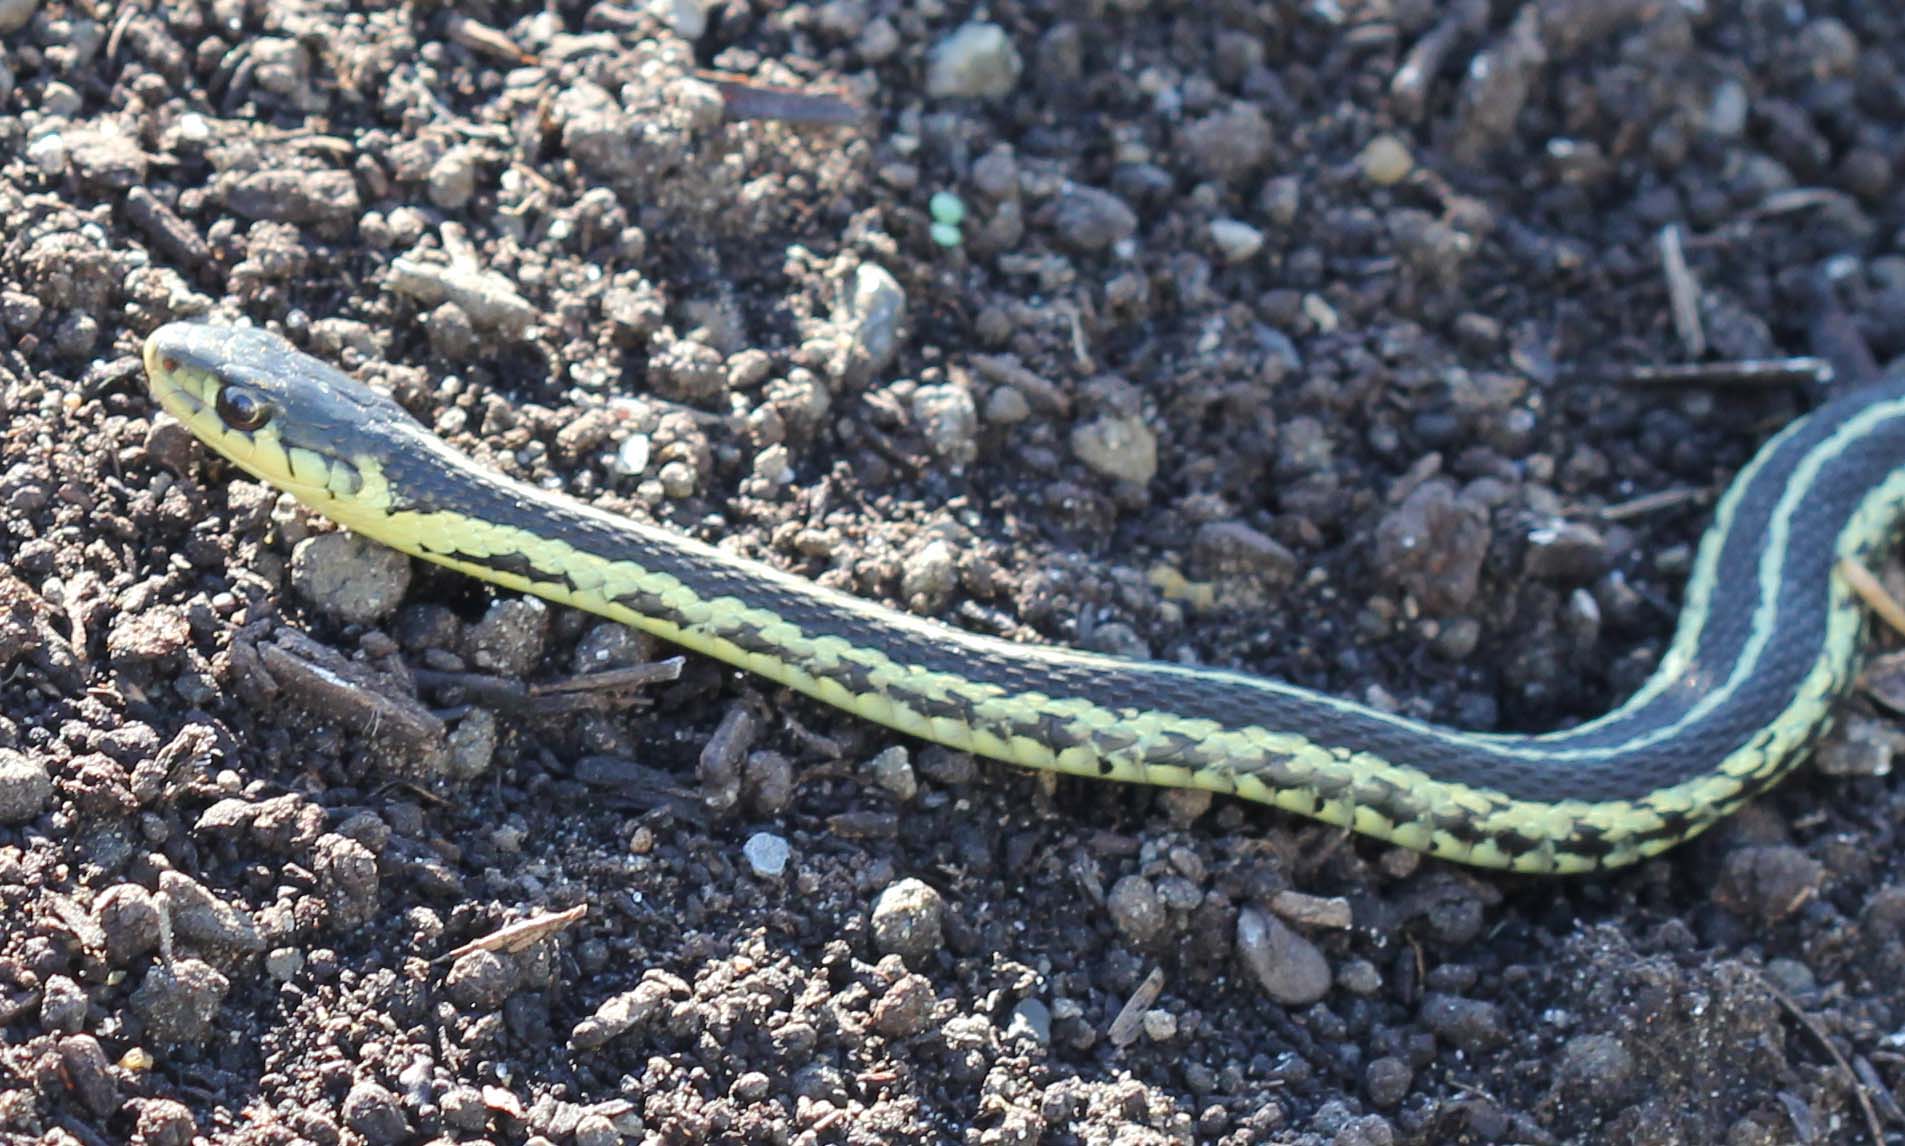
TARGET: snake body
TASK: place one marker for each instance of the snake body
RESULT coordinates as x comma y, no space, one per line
1768,636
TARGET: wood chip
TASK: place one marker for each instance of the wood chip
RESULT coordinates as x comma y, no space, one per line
1129,1024
1867,586
521,934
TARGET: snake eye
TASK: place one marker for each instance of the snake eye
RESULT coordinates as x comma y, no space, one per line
242,408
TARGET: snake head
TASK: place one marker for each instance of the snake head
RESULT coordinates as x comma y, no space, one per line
279,414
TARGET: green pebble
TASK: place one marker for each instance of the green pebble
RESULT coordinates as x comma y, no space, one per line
947,208
945,234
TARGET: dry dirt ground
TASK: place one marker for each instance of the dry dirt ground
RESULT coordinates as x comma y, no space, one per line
1303,337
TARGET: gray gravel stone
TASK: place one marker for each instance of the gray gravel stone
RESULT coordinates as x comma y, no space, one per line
347,875
766,855
480,980
977,61
1228,144
349,577
1089,219
1234,549
1235,239
1291,969
1387,1080
62,1004
948,418
1596,1067
373,1111
621,1013
767,779
25,787
472,745
929,575
870,317
1137,910
1570,552
509,639
687,370
1031,1019
907,921
178,1001
163,1122
906,1008
130,919
1768,882
1432,546
83,1063
14,14
1117,446
893,771
1471,1024
200,917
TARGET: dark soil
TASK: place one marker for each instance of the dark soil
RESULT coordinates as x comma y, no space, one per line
1296,337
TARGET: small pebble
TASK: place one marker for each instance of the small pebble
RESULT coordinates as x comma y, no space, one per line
1030,1019
472,745
1571,552
1235,240
1864,747
85,1069
1385,160
14,14
1228,144
1291,969
905,1009
949,420
977,61
1767,882
871,318
25,787
1359,977
452,182
1160,1026
284,963
164,1122
62,1004
1388,1080
1596,1067
373,1111
766,855
178,1001
596,1130
1136,909
1433,546
129,916
907,921
893,771
1117,446
768,781
946,207
350,577
1222,549
200,917
1088,219
1006,406
509,639
1471,1024
480,980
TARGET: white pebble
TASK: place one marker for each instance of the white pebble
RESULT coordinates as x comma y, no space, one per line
766,854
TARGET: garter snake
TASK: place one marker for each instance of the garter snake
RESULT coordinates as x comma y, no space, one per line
1768,635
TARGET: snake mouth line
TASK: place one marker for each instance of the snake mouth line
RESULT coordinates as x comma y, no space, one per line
1765,644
